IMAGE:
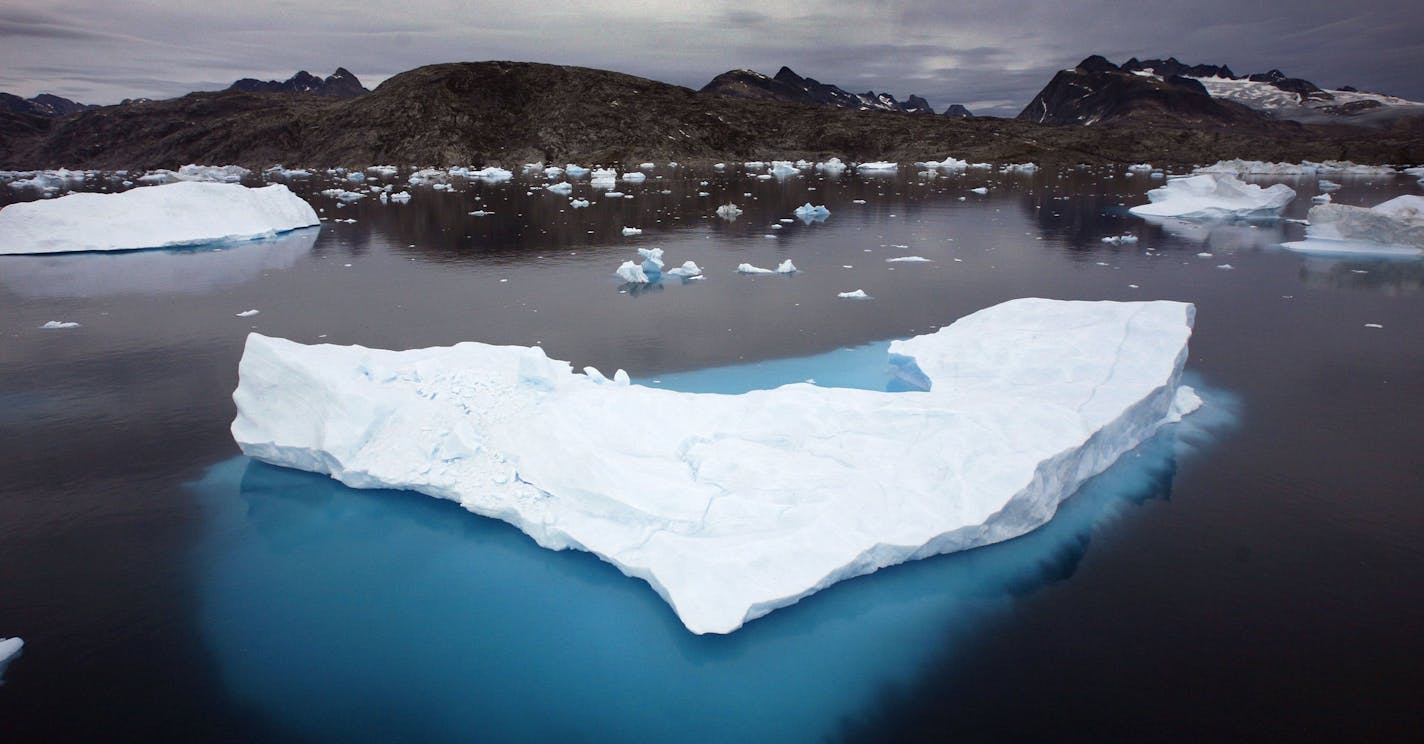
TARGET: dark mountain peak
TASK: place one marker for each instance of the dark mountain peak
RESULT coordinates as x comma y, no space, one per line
341,84
790,87
1270,76
917,105
787,75
1172,66
1097,63
958,110
47,105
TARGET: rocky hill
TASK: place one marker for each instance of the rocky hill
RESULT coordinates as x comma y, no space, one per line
44,104
508,113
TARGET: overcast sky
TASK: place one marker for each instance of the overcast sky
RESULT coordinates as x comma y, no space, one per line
991,56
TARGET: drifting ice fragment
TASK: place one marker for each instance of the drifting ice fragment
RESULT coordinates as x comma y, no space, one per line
809,214
980,190
908,259
1215,196
858,294
9,648
686,270
631,273
1395,227
728,211
785,267
562,187
248,313
185,213
54,324
731,506
631,231
831,167
879,166
578,203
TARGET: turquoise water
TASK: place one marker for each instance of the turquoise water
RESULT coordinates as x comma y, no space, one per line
339,614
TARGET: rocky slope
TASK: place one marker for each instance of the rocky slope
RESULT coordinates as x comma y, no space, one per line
508,113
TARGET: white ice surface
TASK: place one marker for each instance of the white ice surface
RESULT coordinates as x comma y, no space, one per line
8,648
731,506
1216,196
185,213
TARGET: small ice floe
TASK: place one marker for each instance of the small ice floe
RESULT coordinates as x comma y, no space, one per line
981,190
1140,168
687,270
575,171
428,176
627,231
553,172
53,324
1393,228
251,312
907,259
785,267
562,187
652,261
614,194
856,294
1120,239
808,213
728,211
754,165
383,171
831,167
719,166
1215,196
783,168
631,273
1205,254
857,201
343,195
1321,199
400,197
1373,325
878,166
356,177
764,177
1021,168
1227,267
634,177
480,213
948,164
578,203
603,178
1327,185
647,166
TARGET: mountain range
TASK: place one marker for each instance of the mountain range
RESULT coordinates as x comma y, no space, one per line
340,84
788,87
514,112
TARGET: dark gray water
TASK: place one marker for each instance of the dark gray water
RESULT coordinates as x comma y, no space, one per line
1260,577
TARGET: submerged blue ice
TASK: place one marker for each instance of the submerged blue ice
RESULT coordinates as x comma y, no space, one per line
344,614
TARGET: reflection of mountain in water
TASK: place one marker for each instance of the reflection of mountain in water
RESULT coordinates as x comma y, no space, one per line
189,271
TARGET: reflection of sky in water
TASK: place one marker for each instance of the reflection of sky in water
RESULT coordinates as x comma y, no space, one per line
194,270
342,614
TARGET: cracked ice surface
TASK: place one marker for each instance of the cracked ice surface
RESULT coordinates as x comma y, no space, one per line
731,506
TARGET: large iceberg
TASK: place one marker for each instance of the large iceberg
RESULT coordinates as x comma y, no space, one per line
184,213
1215,196
1395,227
731,506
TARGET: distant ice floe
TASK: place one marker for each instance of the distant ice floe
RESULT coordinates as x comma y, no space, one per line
200,173
9,649
562,187
1392,228
575,171
856,294
784,168
831,167
57,324
878,166
186,213
578,203
948,164
383,171
785,267
761,499
627,231
278,171
1120,239
48,181
982,190
1021,168
1215,196
754,165
248,313
1140,168
908,259
687,270
400,197
631,273
1304,168
343,195
635,177
1327,185
728,211
604,178
553,172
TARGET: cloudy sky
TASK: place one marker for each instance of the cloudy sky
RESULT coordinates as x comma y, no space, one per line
991,56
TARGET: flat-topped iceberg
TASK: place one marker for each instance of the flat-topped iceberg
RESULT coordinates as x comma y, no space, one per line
1215,196
731,506
1395,227
185,213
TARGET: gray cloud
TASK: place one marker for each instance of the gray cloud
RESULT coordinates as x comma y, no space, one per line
993,56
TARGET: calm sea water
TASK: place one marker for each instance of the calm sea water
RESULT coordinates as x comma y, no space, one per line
1257,571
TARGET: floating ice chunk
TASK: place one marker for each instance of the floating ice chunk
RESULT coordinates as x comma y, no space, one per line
635,177
1140,168
949,164
878,166
1395,227
754,165
785,267
686,270
356,177
9,649
783,168
48,181
855,294
575,171
731,506
578,203
55,324
201,173
1257,168
491,173
562,187
383,171
631,273
400,197
427,176
648,165
248,313
728,211
1021,168
719,166
1327,185
831,167
186,213
1120,239
604,178
553,172
1373,325
981,190
632,231
809,213
908,259
278,171
480,213
343,195
1320,199
1227,267
1215,196
614,194
652,260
